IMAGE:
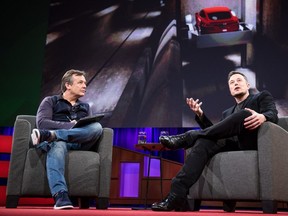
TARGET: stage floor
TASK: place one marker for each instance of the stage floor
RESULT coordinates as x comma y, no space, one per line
113,211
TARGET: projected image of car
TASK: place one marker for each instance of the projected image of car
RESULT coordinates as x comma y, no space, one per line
216,20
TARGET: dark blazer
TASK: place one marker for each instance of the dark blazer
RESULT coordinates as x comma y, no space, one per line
262,102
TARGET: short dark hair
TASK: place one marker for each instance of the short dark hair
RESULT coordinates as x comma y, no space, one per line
236,72
67,77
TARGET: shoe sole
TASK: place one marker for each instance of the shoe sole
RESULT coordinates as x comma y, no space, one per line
63,207
161,209
168,210
35,136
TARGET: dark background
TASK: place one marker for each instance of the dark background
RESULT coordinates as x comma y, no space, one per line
23,35
24,27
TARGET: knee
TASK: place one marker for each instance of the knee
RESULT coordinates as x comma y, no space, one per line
58,148
239,116
97,128
93,130
244,113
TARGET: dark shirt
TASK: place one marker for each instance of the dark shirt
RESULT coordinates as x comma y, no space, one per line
55,112
238,107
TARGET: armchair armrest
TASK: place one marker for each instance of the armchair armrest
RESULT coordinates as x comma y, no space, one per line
20,146
105,151
273,161
283,122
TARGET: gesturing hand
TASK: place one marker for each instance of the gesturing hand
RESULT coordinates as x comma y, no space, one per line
195,106
254,121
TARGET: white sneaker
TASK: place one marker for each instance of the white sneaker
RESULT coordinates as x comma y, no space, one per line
35,136
39,136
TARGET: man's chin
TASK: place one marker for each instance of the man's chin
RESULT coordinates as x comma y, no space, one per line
238,94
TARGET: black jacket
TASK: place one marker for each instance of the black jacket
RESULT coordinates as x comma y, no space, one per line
262,102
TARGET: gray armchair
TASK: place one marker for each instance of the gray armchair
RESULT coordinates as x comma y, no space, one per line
87,173
248,175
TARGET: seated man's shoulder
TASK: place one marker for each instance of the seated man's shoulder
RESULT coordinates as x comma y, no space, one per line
84,104
263,93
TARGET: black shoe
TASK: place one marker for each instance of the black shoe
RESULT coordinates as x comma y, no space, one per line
176,141
170,203
62,201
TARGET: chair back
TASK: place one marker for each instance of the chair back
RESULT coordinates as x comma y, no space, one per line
30,118
283,122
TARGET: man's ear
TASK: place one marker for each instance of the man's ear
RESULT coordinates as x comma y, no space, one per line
67,85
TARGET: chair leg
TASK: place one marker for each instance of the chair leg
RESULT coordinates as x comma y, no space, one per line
12,201
229,206
84,202
269,206
194,204
102,203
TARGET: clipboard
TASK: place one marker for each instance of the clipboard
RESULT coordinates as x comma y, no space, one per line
87,120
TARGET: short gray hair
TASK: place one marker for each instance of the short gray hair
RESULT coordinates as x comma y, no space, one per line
67,77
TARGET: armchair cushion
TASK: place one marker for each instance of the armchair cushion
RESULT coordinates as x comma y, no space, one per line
260,175
87,173
227,176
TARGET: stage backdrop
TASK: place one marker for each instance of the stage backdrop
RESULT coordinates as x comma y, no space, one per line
139,55
142,60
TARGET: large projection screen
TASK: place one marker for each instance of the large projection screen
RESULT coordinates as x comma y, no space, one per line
143,58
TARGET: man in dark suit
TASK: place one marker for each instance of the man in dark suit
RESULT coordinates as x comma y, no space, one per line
236,131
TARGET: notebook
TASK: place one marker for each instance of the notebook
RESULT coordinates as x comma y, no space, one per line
87,120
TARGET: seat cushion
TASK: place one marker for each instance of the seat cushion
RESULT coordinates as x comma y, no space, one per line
84,173
82,177
229,175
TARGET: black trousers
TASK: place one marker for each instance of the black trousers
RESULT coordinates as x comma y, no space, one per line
227,135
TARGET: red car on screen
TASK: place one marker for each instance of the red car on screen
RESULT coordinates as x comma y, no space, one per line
216,20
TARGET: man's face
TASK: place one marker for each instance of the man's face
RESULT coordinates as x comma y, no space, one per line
78,87
238,85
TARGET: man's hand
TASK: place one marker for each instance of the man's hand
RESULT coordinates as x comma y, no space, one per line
254,121
195,106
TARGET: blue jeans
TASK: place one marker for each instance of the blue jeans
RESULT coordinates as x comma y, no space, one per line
84,138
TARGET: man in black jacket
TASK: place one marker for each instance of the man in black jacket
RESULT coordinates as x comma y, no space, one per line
236,131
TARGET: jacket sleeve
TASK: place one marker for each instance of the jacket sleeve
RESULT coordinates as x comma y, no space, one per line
44,117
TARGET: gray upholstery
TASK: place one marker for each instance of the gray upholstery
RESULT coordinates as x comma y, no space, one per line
87,173
249,175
